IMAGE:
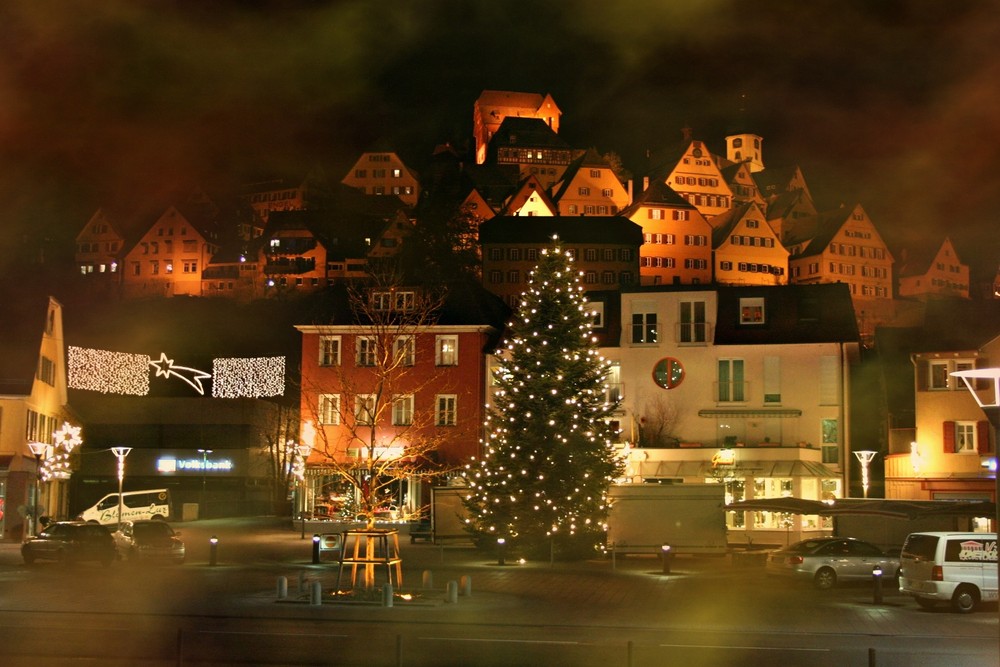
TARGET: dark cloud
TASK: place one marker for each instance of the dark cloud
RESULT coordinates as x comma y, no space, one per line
888,103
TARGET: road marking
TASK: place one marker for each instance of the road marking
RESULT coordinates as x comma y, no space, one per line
498,641
747,648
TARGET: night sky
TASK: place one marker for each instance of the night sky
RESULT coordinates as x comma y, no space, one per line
891,103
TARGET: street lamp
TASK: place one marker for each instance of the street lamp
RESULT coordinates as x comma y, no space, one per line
991,407
204,467
37,448
120,453
865,457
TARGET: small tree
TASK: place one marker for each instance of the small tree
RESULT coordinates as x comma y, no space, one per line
548,458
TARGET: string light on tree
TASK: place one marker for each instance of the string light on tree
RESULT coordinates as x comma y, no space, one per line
548,459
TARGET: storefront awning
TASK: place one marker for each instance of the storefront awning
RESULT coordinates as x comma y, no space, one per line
676,469
736,412
900,509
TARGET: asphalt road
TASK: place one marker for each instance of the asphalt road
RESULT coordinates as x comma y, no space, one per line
706,612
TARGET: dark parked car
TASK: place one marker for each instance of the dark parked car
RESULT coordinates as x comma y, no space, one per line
71,541
827,560
149,540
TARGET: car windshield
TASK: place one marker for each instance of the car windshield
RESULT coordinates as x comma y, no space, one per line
155,529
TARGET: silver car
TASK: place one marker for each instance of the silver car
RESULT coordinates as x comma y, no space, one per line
149,540
827,560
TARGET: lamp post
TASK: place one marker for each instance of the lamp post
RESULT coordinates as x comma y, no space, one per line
37,449
120,453
990,405
865,457
204,467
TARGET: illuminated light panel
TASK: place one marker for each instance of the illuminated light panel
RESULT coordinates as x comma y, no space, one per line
248,377
108,372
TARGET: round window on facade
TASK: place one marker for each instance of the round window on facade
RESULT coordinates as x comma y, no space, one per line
668,373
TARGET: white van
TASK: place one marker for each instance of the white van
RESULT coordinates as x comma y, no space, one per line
135,505
958,568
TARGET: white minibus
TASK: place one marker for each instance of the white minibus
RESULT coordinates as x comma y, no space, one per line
135,505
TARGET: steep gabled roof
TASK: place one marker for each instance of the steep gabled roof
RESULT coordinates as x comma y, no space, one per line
917,261
22,325
507,98
590,159
657,194
528,187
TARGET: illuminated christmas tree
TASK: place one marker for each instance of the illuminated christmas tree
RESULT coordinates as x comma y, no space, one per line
548,459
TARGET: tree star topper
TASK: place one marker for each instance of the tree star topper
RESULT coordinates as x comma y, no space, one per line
165,368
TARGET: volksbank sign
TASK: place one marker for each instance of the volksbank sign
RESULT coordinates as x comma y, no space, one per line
169,465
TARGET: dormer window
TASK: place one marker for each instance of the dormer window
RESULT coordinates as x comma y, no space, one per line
752,310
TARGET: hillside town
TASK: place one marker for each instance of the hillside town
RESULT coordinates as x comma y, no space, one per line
755,339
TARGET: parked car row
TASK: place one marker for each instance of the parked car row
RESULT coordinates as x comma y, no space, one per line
958,569
77,541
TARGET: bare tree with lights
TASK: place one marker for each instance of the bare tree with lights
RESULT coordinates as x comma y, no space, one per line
381,439
548,462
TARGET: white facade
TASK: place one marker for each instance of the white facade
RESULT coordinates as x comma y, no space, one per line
766,419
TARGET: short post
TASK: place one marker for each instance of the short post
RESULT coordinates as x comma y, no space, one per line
877,581
427,580
666,555
282,588
316,549
452,592
316,596
213,550
501,545
465,581
387,595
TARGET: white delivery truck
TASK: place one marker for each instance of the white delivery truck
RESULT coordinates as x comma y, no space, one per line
957,568
135,505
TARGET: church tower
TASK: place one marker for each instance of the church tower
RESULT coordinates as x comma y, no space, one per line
745,146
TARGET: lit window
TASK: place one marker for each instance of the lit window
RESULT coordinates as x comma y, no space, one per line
752,310
446,350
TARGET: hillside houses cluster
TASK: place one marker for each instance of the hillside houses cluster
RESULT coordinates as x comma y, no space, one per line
736,313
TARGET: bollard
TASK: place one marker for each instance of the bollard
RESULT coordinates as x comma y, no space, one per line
213,550
501,545
316,549
465,581
666,555
877,588
428,579
316,596
452,592
282,588
387,595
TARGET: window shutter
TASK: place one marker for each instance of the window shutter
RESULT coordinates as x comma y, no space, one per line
949,437
983,437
